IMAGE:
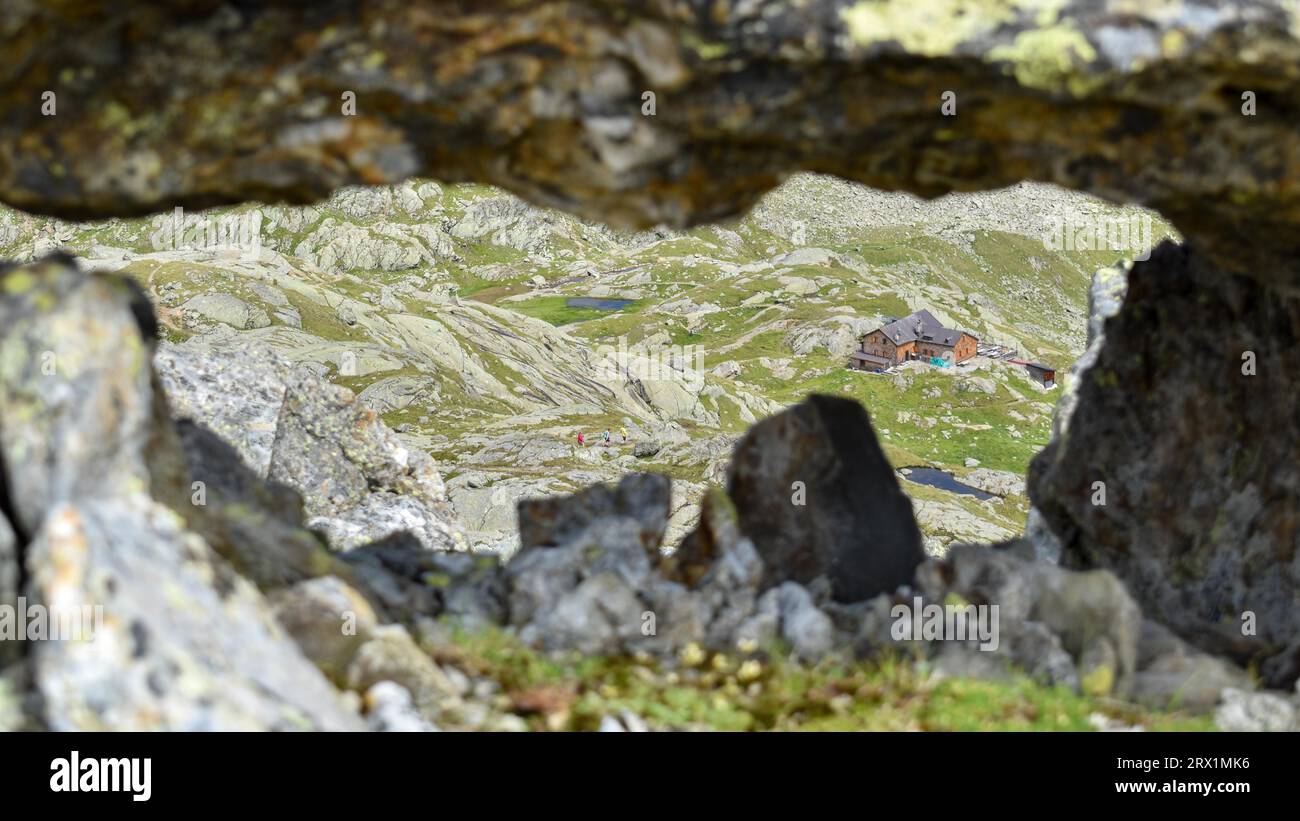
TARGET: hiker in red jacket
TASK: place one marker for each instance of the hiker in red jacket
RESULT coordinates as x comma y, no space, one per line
582,440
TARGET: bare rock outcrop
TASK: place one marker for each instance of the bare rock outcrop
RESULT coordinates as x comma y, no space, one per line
1178,467
180,640
819,499
359,483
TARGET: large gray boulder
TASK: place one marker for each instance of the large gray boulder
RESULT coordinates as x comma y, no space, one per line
817,496
1177,469
643,498
180,641
358,481
227,309
585,593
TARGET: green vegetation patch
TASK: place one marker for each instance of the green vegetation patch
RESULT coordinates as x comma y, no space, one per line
765,691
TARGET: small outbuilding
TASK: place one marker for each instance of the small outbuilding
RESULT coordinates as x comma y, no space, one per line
1045,374
863,361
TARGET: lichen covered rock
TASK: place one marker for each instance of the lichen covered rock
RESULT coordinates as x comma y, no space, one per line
178,640
1177,469
358,481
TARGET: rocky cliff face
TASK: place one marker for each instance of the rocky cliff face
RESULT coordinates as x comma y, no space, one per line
1177,467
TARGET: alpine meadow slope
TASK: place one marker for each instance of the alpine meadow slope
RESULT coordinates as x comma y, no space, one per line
446,309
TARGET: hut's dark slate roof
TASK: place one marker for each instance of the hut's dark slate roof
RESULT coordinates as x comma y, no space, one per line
923,327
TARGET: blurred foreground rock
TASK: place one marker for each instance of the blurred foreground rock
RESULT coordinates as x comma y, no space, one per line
181,641
818,497
1175,462
168,531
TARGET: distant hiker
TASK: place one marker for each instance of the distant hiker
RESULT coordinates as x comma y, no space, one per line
606,437
582,440
624,432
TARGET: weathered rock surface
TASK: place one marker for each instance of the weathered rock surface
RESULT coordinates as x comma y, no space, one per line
646,450
818,498
329,620
185,644
360,648
999,482
1105,296
228,309
1244,711
359,482
409,583
181,641
1081,629
257,526
642,498
790,607
1177,469
488,506
601,588
945,522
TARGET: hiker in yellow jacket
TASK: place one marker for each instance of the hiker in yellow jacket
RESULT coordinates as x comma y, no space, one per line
623,431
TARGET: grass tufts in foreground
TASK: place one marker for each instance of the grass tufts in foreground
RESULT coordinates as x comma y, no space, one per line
763,690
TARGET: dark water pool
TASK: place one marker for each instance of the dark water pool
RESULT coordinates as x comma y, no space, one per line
944,481
597,303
